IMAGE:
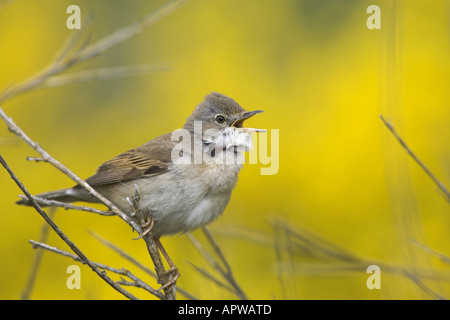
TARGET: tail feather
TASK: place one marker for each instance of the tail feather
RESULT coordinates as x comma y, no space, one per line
63,195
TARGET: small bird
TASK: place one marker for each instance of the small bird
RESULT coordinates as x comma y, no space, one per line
181,185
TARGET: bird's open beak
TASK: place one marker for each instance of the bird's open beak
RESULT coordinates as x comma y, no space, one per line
239,122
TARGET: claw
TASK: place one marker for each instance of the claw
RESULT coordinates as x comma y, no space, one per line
148,226
173,275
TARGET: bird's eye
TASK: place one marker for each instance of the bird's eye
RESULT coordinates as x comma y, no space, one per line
220,118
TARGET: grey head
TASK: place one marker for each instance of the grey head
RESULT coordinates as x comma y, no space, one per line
217,111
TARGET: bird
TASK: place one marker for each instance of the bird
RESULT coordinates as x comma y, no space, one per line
183,179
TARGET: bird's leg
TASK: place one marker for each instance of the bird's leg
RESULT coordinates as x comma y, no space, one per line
143,218
147,227
161,273
173,274
168,279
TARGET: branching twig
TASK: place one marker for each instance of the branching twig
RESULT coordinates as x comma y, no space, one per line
61,234
123,254
128,257
224,271
48,158
213,278
74,52
69,56
137,282
151,246
440,185
102,74
227,273
331,259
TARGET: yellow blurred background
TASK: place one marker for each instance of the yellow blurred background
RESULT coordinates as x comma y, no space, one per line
322,78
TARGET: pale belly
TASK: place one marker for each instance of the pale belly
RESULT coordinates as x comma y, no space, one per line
207,210
181,200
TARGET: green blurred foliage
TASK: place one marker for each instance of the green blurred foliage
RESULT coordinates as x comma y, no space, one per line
322,78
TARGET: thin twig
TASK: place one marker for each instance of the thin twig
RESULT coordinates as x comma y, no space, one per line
72,53
62,235
103,73
313,244
440,256
141,266
279,258
68,56
424,287
129,31
226,272
146,223
36,159
37,259
331,257
211,277
123,254
137,282
159,266
4,3
440,185
217,249
48,158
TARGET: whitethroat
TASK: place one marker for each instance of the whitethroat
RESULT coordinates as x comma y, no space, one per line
182,185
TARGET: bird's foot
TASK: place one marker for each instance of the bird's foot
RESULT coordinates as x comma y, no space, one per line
147,227
172,275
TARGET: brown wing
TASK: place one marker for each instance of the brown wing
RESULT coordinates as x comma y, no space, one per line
150,159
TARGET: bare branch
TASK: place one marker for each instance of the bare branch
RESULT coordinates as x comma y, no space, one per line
440,185
103,73
37,259
48,158
226,272
70,56
159,266
131,259
331,258
4,3
128,32
75,51
146,222
212,278
137,282
440,256
62,235
424,287
123,254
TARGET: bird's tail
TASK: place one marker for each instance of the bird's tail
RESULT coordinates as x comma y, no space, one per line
63,195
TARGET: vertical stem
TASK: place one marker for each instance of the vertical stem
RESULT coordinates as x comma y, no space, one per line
159,266
37,258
